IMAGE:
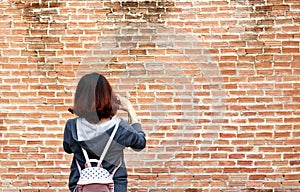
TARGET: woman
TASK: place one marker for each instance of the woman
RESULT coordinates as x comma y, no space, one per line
95,104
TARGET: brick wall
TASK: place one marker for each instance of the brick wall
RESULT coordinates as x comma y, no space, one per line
215,82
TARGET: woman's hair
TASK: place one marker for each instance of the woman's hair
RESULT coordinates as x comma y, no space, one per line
94,98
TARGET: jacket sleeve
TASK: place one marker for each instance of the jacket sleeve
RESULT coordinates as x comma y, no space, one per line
135,137
67,137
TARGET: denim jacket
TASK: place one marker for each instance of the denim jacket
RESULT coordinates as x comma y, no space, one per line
79,134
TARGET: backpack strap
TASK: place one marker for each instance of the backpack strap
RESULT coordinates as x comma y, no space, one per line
117,167
87,159
108,143
78,166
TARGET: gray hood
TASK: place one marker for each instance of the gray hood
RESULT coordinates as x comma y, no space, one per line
95,136
87,131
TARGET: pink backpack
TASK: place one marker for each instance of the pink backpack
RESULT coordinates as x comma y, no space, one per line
97,179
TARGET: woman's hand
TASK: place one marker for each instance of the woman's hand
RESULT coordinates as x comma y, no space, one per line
126,105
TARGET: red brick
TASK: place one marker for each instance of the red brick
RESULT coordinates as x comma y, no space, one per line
255,59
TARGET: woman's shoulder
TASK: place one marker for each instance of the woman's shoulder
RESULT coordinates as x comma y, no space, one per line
70,124
70,128
123,123
135,127
71,121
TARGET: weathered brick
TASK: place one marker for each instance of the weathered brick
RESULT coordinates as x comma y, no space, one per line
253,50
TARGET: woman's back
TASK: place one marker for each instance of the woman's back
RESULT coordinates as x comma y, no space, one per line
95,104
79,133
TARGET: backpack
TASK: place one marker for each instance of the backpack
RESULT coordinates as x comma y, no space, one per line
97,179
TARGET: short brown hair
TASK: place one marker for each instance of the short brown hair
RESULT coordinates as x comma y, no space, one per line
94,98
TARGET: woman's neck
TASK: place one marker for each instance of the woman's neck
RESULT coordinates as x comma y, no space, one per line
103,120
